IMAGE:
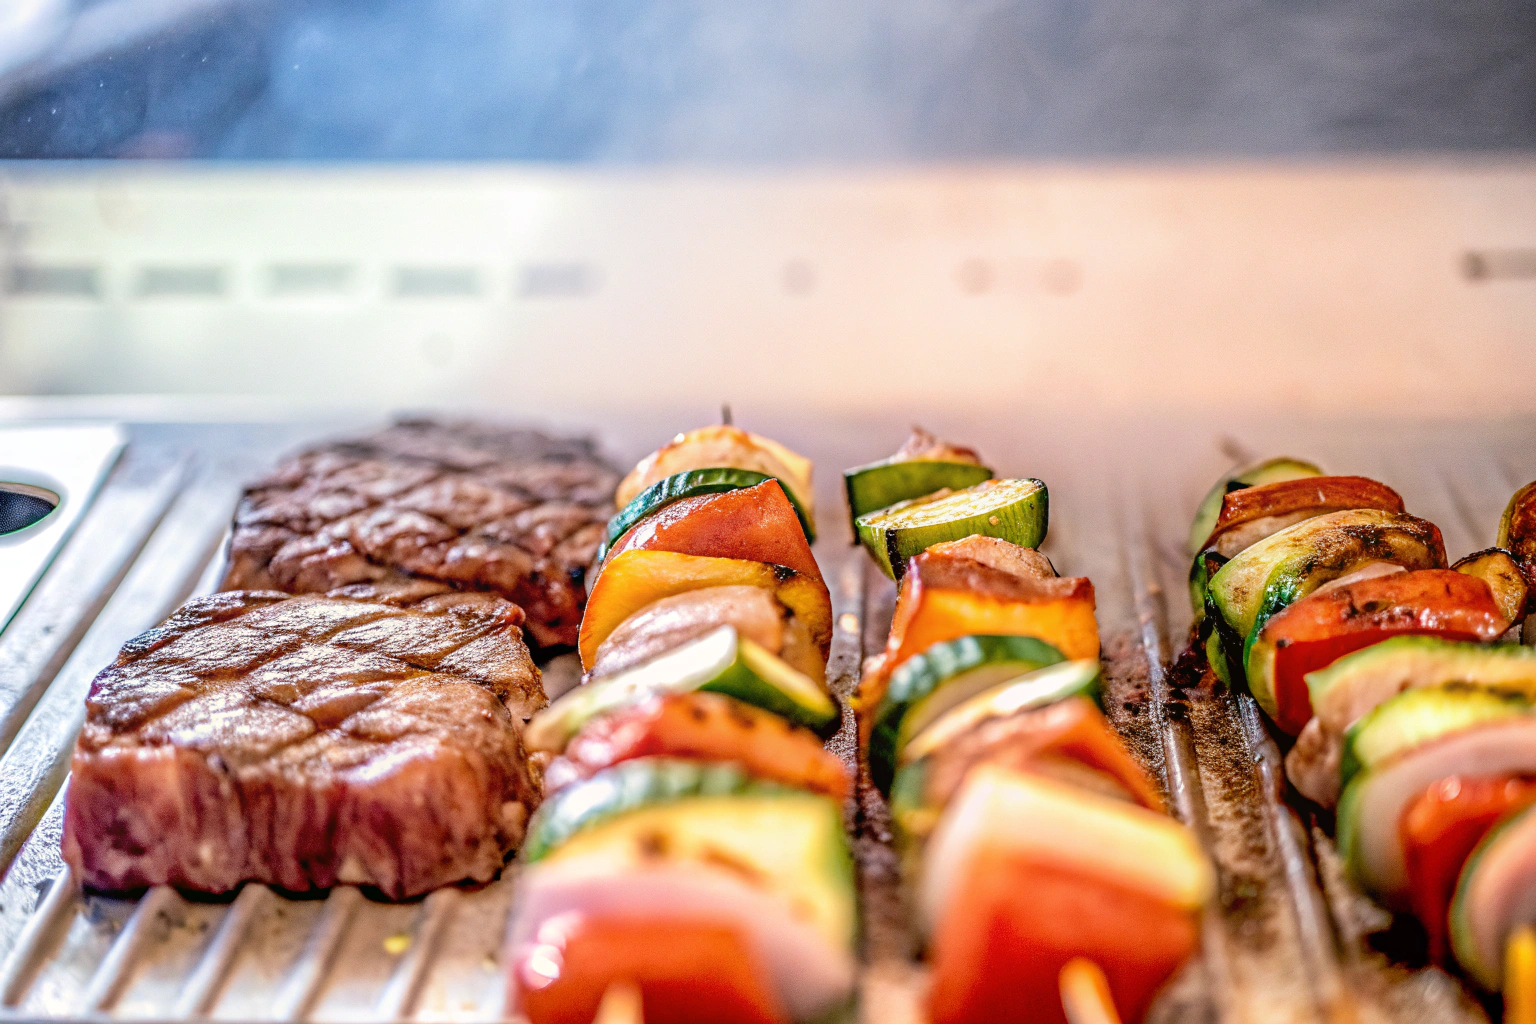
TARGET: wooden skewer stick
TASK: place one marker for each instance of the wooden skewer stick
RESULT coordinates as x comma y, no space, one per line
621,1005
1520,977
1085,995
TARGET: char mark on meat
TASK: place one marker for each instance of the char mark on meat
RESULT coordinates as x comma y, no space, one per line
476,506
369,737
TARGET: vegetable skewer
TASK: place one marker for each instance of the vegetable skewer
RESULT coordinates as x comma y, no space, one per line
1410,709
1034,845
689,863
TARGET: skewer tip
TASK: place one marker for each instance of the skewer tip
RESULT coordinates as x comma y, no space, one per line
1085,995
621,1005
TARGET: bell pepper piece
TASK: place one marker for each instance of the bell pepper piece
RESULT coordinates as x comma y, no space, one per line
1016,921
688,972
635,578
945,598
1440,829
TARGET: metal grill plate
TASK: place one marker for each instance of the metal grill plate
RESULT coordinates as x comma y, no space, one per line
1289,941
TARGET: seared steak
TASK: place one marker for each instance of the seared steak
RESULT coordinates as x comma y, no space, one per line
305,741
480,507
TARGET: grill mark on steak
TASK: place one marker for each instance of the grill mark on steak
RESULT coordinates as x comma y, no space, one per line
371,736
480,507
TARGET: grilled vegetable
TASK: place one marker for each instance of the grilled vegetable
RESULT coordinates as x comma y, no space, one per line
945,598
946,674
720,662
1068,740
673,621
1414,717
1251,514
1291,564
1517,527
922,466
727,447
1347,690
1032,690
707,727
683,971
774,867
1374,801
1271,471
1440,829
692,483
1319,629
631,580
1495,895
630,786
1013,510
756,524
1498,568
1025,874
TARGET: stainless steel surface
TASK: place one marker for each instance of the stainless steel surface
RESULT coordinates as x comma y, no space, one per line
1289,941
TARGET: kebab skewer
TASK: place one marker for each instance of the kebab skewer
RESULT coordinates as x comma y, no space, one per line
1046,879
1414,716
689,862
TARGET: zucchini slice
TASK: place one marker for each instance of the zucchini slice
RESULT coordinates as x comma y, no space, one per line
928,684
1013,510
1036,689
1495,894
720,661
1271,471
1291,564
687,484
778,840
629,786
1499,569
882,484
1416,717
1373,803
1517,527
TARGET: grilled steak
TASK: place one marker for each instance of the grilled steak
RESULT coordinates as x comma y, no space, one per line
480,507
305,741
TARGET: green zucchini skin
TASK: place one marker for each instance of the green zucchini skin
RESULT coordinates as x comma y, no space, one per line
1022,519
882,484
1287,566
1270,471
1422,662
631,785
923,674
690,484
1416,717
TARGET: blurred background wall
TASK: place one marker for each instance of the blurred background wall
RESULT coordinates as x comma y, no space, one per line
1253,206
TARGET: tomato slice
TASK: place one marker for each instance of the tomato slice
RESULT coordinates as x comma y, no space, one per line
1016,921
1439,830
688,972
756,524
1316,631
708,726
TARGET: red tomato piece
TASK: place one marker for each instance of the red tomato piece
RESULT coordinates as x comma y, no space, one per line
1439,830
708,726
1016,921
1317,630
688,972
756,524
